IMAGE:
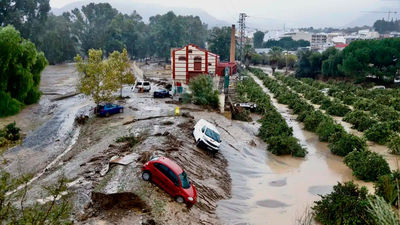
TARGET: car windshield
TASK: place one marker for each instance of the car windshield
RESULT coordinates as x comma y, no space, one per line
210,133
184,180
139,83
146,83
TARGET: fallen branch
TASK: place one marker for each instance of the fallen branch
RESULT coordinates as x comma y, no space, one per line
65,96
147,118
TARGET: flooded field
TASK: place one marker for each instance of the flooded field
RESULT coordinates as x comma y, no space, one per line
244,184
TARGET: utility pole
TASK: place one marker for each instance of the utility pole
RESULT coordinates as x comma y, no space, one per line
242,29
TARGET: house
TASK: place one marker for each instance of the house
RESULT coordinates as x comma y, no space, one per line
190,61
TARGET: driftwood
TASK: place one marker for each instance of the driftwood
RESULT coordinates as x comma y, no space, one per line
65,96
147,118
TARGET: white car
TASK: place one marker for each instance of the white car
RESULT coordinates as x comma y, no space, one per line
205,134
143,85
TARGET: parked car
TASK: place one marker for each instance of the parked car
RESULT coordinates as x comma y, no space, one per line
166,174
162,93
247,105
205,134
108,109
381,87
143,85
325,91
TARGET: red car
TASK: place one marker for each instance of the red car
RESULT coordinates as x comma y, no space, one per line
169,176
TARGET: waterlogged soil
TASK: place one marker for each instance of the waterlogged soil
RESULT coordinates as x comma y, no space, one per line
243,184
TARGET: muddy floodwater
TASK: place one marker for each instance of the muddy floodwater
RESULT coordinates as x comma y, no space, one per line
265,189
268,189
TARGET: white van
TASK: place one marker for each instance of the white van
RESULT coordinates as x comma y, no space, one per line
205,134
143,85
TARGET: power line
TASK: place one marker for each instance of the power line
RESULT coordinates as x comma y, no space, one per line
242,28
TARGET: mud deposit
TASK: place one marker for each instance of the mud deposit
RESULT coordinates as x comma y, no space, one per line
106,184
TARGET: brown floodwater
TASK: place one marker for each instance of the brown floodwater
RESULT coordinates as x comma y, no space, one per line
269,189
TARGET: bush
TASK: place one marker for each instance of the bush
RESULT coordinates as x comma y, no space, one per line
12,132
285,145
8,106
327,129
360,120
367,165
312,120
379,133
343,143
203,92
326,103
387,187
394,144
33,96
347,204
364,104
338,109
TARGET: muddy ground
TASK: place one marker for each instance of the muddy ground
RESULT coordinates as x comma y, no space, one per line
243,184
105,192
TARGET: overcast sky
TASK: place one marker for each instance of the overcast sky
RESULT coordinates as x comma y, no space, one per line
313,12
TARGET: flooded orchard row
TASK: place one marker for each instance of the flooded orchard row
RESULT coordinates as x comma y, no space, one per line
267,189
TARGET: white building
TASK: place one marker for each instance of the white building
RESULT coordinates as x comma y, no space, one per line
296,36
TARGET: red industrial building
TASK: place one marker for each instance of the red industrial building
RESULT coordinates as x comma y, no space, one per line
191,60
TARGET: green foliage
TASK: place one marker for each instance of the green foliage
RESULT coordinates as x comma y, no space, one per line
359,119
382,212
8,105
367,165
286,43
309,64
56,210
387,187
343,143
220,41
258,39
326,129
312,121
203,91
131,140
100,78
21,65
285,145
338,109
347,204
12,132
394,144
379,133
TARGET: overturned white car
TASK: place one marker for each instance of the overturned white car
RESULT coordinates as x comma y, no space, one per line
205,134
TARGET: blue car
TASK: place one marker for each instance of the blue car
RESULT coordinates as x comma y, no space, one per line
161,94
108,109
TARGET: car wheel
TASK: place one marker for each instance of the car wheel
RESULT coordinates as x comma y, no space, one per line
198,142
179,199
107,114
146,176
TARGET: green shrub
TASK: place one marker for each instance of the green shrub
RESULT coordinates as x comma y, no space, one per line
359,119
343,143
8,106
12,132
387,187
394,144
33,96
386,113
130,140
349,99
347,204
285,145
338,109
379,133
327,129
203,92
364,104
312,120
367,165
3,141
326,103
395,125
242,115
